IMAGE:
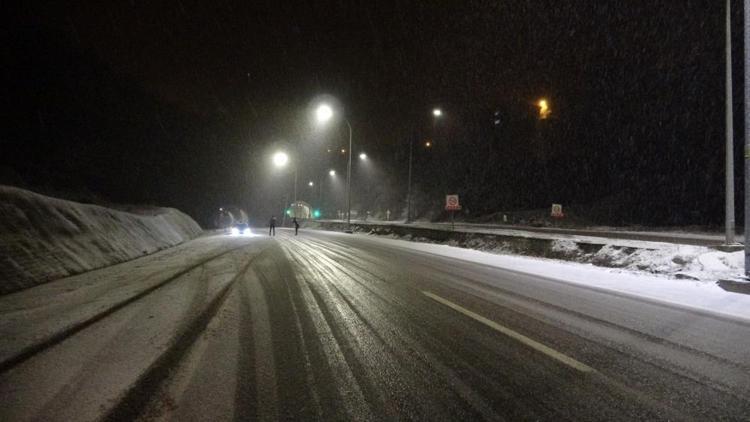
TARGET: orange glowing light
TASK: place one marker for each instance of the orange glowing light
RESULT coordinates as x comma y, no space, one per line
544,110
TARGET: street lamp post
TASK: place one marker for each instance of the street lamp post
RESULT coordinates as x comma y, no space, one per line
332,175
324,113
437,113
281,159
729,187
408,189
746,29
349,180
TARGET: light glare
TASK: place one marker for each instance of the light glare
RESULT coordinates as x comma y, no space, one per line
280,159
363,156
544,109
437,112
323,113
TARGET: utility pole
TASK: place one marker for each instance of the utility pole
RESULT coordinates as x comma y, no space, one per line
283,211
408,189
349,182
729,194
746,30
295,185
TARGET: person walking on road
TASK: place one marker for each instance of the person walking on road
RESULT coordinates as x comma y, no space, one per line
272,227
296,225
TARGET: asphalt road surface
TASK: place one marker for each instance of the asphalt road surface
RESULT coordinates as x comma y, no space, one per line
328,326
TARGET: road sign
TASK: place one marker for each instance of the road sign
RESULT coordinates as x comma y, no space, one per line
557,211
451,203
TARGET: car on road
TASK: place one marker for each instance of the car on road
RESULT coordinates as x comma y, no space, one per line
240,229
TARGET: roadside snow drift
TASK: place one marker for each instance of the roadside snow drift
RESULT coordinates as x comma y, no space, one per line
43,238
668,259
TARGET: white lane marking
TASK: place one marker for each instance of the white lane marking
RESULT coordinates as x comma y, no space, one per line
554,354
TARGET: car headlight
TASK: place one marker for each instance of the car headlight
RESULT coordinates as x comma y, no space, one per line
235,231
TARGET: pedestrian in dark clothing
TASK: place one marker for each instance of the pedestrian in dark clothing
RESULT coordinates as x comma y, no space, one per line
296,225
272,227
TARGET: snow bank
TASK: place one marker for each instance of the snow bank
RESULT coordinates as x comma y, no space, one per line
696,294
43,238
670,259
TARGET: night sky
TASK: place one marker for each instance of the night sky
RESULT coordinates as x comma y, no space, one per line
181,103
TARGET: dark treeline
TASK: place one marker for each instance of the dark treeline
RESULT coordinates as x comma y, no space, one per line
635,135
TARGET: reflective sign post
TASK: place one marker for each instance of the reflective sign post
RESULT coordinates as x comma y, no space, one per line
452,205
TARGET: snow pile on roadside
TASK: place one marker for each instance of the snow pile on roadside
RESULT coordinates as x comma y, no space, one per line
566,247
672,260
700,295
676,261
43,238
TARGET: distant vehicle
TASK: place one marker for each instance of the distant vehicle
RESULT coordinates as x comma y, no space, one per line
240,229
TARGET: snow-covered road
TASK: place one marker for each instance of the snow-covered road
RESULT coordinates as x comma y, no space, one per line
329,326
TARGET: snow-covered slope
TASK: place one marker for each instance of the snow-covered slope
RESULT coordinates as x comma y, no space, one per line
43,238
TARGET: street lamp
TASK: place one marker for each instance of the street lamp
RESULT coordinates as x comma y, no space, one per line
310,183
280,160
323,114
544,109
332,174
437,113
363,156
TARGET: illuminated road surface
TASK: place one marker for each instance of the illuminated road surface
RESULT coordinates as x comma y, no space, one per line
328,326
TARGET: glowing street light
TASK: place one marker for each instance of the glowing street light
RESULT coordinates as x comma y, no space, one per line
323,113
544,110
438,114
332,172
363,156
310,183
280,159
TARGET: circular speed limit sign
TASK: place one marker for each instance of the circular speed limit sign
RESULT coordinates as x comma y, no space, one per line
451,202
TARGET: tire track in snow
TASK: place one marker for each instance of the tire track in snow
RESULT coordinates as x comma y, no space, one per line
51,340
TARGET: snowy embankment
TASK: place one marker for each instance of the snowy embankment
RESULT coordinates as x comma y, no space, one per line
667,259
673,260
699,295
43,238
